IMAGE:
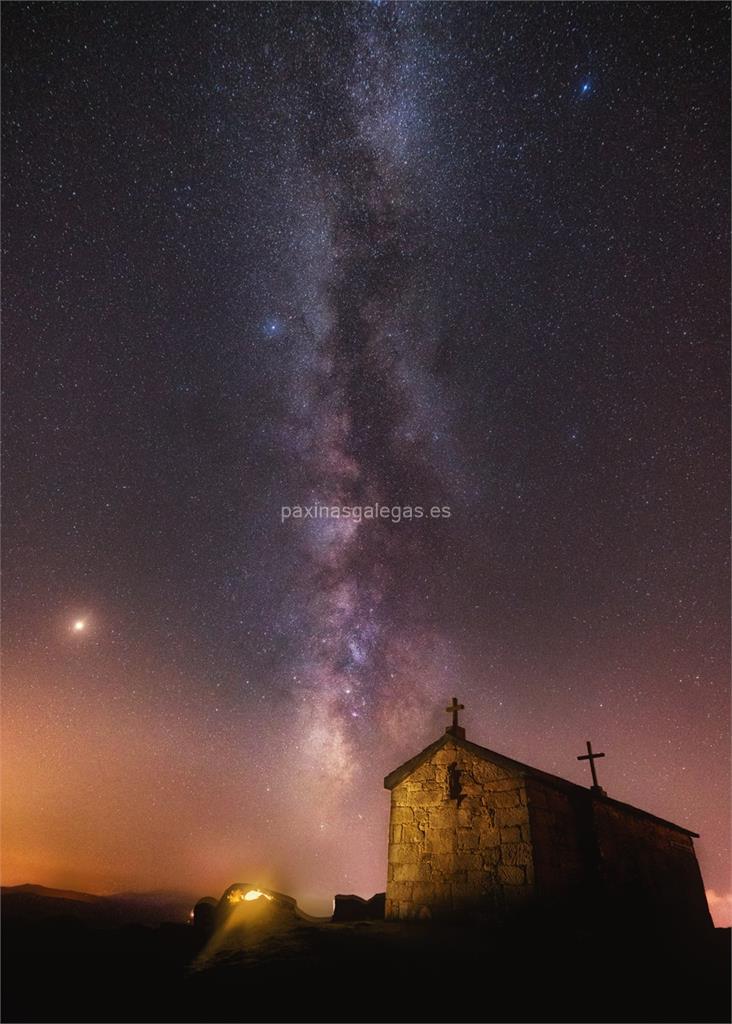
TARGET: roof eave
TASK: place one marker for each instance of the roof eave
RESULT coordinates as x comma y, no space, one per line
399,774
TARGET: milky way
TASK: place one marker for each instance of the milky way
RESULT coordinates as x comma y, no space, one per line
365,409
267,256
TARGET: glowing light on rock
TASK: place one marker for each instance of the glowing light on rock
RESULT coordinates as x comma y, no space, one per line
238,895
254,894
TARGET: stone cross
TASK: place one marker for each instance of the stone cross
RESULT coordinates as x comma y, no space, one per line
589,756
455,729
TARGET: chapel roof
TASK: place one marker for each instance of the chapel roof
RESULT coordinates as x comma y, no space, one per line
405,770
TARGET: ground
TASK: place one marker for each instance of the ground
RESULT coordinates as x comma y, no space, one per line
66,966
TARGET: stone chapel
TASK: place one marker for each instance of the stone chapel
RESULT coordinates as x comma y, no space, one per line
474,833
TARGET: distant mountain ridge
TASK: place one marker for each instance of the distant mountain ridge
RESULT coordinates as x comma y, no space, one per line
42,890
36,902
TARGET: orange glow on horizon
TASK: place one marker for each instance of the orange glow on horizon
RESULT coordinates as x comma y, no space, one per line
109,785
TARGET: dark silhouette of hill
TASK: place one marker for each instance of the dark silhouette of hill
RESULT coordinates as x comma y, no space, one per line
36,903
66,964
44,890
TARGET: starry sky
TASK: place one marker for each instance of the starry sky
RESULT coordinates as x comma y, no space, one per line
464,257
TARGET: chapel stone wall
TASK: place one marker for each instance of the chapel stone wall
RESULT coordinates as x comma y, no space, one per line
649,871
459,838
561,830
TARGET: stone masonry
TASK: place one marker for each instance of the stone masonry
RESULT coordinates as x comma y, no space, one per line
451,852
473,833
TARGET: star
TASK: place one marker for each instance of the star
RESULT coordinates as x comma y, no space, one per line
378,263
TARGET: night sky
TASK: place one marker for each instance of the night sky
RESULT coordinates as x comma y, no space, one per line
470,257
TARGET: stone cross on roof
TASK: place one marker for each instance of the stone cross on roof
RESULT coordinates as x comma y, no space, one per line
589,756
455,729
